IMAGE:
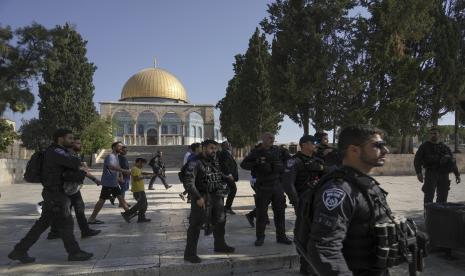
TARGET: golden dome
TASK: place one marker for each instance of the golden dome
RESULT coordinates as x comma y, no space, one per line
154,83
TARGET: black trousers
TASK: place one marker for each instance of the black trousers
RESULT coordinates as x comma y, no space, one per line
51,216
140,207
231,195
79,209
154,177
198,217
436,182
274,195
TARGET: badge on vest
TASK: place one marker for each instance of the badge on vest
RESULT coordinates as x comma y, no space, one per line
333,197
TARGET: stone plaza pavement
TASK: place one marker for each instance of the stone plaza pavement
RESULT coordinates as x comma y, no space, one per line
156,248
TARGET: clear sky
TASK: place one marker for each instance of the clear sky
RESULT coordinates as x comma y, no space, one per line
194,40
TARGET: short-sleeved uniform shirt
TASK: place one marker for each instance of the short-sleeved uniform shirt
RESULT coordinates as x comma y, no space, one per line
110,177
136,185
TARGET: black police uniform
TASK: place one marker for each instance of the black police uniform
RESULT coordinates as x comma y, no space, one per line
203,178
229,167
79,210
301,170
158,167
342,240
330,156
438,161
300,173
56,206
268,165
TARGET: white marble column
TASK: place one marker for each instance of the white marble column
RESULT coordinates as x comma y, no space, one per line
135,134
159,134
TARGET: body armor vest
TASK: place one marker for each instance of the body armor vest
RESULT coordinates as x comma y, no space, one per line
309,170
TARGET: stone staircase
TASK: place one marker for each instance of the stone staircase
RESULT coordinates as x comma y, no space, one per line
172,155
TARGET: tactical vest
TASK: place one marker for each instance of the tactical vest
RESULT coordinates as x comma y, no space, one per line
307,171
213,178
360,245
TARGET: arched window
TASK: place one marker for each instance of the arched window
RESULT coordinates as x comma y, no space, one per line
164,129
146,120
173,129
120,120
140,129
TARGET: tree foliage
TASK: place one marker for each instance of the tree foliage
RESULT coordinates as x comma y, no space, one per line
66,92
7,135
97,135
22,54
33,136
248,108
306,36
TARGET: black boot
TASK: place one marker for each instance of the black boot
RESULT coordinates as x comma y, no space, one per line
260,241
80,256
224,248
283,240
250,219
23,257
193,259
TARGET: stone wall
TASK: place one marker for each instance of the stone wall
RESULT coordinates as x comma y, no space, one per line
402,164
12,171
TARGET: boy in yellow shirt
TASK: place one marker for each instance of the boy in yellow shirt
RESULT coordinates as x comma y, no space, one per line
138,190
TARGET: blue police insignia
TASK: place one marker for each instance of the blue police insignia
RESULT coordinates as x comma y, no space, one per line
290,163
61,152
333,197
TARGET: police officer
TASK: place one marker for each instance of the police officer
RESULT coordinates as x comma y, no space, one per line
302,171
438,161
206,186
77,202
341,239
324,151
229,167
158,167
56,206
268,164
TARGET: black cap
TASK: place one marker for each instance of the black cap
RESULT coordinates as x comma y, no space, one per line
307,138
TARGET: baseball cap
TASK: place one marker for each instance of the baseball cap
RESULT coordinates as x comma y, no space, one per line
307,138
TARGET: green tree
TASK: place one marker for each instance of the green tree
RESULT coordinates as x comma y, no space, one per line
7,135
96,136
231,124
247,109
21,59
33,136
305,38
395,63
66,92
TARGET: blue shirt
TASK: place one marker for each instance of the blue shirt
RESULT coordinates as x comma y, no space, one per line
110,177
191,157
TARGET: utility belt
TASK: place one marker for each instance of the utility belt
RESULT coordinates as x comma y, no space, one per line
399,241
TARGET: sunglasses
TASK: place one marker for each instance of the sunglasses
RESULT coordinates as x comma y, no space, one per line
380,145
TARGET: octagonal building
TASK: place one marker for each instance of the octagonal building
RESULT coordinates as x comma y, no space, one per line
154,110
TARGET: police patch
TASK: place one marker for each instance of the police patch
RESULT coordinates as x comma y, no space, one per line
290,163
333,197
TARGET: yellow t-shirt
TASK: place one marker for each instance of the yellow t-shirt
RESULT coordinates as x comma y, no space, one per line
136,185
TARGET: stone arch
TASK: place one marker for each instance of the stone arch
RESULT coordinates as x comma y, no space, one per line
195,123
122,121
145,120
171,129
